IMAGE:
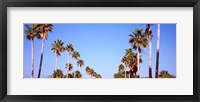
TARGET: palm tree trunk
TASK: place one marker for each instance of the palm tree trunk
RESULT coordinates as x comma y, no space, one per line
150,58
157,51
67,73
56,62
74,68
41,57
125,72
32,70
68,64
138,62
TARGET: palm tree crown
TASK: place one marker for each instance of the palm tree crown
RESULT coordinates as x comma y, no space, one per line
58,73
76,55
31,32
44,28
69,48
121,68
57,47
87,69
69,66
138,39
77,74
80,63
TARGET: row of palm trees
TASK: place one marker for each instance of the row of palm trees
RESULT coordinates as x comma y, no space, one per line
59,74
139,40
58,48
41,32
92,73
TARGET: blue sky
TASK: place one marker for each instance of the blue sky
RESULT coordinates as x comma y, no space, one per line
102,47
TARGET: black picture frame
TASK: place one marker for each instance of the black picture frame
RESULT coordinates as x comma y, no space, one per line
99,3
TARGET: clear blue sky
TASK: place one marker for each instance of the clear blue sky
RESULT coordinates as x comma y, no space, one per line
101,46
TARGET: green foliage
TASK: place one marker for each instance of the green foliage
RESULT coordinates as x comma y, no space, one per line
69,66
77,74
165,74
121,74
75,55
92,73
121,68
80,62
57,47
69,48
69,76
44,29
31,32
138,39
58,73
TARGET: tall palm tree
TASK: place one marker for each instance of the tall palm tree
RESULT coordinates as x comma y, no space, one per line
57,48
75,55
69,49
157,51
68,67
44,28
138,41
148,32
31,33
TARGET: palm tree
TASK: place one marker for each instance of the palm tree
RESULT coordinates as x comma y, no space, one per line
77,74
148,32
44,28
75,55
69,49
57,48
125,61
31,33
121,68
132,58
98,76
91,72
69,67
118,75
94,74
138,41
87,69
157,51
58,73
127,54
80,63
165,74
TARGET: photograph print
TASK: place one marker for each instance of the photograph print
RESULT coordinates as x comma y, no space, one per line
96,50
